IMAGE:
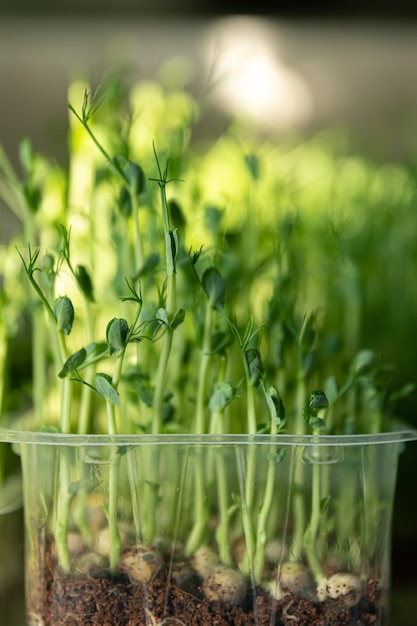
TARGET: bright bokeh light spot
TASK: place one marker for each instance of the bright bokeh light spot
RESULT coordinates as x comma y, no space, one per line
252,80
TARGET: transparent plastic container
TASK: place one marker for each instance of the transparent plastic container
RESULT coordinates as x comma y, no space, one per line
162,530
11,541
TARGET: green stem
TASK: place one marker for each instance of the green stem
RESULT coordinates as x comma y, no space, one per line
64,497
251,429
310,535
203,372
137,239
259,561
217,421
299,506
115,541
63,510
162,371
84,422
222,531
267,500
217,426
114,535
250,484
66,390
247,565
158,401
200,503
38,364
201,513
247,505
112,162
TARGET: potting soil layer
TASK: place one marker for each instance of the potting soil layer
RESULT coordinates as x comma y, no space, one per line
101,599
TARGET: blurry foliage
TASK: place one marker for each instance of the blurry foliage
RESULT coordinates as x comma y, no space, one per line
295,227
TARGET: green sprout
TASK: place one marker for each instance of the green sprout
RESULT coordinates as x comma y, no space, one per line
315,416
203,299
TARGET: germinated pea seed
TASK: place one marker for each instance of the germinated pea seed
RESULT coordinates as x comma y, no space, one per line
347,586
225,584
293,576
204,561
140,565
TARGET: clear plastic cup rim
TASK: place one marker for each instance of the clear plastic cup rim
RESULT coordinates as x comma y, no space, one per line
400,434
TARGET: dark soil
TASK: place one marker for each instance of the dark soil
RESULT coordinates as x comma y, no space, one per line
99,599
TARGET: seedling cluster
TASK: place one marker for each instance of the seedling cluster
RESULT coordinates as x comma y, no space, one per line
173,292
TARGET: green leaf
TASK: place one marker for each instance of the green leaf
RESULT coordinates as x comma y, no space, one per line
318,400
104,387
135,291
73,362
195,255
64,314
176,214
178,319
118,163
95,348
276,406
151,262
255,366
363,362
324,503
212,218
84,282
402,393
308,332
252,163
135,176
162,316
48,271
32,194
84,106
80,359
330,389
222,395
26,154
214,287
117,332
48,263
313,420
171,244
125,202
168,410
220,340
146,394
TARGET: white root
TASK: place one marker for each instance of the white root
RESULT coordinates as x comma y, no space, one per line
289,616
